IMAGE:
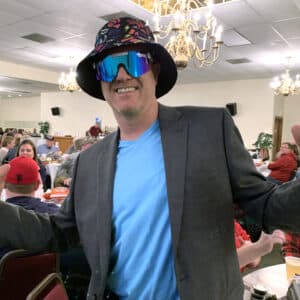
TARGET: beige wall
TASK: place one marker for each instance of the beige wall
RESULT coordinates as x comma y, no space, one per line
78,111
20,112
253,97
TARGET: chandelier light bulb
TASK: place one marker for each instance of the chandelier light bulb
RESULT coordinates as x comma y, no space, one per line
192,40
285,85
67,82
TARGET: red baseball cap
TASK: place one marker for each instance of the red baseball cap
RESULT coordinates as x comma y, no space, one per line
23,170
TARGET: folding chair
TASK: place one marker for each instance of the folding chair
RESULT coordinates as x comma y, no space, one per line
50,288
21,271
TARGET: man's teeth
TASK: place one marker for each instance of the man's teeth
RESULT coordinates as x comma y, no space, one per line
125,90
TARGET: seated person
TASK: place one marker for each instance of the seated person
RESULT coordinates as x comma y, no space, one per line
7,143
35,133
95,130
48,147
76,145
27,148
284,167
12,153
65,171
21,183
249,254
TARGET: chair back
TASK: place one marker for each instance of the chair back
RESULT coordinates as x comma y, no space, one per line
50,288
21,271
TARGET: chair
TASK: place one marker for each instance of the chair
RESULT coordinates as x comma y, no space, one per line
50,288
21,271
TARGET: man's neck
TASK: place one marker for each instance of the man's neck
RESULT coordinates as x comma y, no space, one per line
131,129
10,194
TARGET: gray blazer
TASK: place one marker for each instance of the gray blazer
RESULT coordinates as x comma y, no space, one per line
207,171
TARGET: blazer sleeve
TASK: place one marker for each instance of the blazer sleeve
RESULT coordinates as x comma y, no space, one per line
272,206
21,228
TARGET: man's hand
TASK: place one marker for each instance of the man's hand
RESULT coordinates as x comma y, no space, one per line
3,172
266,242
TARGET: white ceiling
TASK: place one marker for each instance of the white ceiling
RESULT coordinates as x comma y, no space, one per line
271,26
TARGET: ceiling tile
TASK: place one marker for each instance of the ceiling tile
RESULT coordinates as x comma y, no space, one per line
274,10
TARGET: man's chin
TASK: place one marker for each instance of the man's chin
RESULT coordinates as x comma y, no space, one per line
129,112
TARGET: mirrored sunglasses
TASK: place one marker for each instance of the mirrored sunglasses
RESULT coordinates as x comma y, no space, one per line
135,63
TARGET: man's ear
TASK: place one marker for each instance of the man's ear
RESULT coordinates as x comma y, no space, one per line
37,184
156,70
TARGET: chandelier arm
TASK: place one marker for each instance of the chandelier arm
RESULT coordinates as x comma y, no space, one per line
189,39
285,85
67,82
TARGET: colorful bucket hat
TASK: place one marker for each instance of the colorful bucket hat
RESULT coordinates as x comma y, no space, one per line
119,32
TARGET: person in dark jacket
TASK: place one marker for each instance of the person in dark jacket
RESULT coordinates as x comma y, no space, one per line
12,153
21,183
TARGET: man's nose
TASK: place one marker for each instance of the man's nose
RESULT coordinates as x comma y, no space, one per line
122,74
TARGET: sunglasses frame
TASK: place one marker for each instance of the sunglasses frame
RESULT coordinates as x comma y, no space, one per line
137,71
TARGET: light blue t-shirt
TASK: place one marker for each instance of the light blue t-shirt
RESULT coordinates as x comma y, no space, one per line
44,149
142,258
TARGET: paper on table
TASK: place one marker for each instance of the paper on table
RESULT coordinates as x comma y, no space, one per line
273,278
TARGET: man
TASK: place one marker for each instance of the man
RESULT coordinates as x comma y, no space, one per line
48,147
152,209
22,182
64,173
95,130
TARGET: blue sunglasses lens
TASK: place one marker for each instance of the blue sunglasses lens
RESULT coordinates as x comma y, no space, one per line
135,63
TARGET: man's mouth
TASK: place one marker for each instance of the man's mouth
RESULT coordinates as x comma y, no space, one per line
123,90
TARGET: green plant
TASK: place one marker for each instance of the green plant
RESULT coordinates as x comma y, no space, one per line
264,141
44,127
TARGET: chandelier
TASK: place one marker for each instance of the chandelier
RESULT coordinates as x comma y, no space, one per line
285,85
67,81
190,35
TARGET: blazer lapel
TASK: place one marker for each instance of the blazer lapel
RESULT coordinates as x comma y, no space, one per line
105,177
174,140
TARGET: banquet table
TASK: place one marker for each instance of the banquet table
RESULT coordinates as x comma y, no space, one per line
273,278
52,169
262,167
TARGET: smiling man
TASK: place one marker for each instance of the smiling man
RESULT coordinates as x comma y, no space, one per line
153,211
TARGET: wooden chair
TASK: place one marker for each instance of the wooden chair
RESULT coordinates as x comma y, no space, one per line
50,288
21,271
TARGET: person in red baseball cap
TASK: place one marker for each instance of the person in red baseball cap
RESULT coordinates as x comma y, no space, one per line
22,181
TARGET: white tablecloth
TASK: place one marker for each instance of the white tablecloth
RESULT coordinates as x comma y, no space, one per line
273,278
52,169
262,167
